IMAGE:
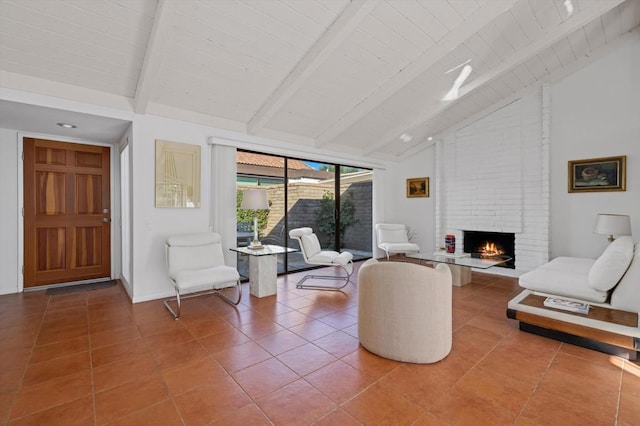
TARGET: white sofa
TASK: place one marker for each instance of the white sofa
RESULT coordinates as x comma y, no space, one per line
610,284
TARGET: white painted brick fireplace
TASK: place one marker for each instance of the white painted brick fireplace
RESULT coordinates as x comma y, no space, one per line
493,175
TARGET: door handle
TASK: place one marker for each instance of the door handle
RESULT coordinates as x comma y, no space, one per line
106,220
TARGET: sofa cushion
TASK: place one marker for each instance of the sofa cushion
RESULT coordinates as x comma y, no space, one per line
626,295
564,276
612,264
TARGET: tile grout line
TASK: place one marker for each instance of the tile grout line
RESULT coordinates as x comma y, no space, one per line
93,385
535,389
33,346
622,372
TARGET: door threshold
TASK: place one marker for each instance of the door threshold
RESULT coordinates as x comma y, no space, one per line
47,287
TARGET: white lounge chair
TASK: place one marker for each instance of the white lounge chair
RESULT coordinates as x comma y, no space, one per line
393,238
195,264
314,255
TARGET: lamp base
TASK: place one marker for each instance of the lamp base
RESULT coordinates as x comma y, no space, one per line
255,245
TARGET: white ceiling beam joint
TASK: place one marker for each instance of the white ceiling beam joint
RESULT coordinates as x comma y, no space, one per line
331,39
158,40
561,31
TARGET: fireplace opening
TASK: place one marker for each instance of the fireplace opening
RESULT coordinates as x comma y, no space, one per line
491,244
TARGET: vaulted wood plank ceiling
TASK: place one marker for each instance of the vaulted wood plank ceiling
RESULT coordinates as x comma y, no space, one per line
352,77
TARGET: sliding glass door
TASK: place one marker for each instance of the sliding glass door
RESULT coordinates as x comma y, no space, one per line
334,200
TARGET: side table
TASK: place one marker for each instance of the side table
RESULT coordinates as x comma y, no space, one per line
263,268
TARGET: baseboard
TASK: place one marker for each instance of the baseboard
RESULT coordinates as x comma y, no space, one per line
127,287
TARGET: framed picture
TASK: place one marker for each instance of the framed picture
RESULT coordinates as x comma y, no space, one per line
418,187
177,174
598,174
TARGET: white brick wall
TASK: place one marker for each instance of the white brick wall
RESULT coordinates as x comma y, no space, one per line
494,176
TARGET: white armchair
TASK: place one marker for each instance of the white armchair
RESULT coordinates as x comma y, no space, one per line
314,255
195,263
393,238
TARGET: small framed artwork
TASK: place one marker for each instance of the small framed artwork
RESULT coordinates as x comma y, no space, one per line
177,174
418,187
598,174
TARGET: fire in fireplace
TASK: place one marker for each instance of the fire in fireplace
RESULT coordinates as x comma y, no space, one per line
491,244
490,249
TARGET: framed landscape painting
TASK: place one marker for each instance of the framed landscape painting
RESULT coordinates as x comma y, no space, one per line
418,187
598,174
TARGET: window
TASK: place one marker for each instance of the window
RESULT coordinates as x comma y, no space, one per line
306,193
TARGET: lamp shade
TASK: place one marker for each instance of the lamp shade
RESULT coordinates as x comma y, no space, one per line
254,199
613,224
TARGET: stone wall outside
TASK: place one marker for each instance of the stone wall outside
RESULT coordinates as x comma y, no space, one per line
304,205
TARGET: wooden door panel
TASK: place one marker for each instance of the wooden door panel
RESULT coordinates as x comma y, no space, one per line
87,247
49,155
51,190
51,252
88,190
67,212
88,159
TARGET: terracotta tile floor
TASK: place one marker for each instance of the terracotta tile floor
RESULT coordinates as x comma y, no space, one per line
93,358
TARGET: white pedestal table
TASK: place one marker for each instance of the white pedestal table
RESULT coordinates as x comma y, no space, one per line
263,268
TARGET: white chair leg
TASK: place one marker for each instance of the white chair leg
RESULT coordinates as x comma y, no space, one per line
229,300
348,270
176,299
176,314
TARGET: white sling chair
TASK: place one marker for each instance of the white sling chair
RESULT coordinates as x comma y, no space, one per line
195,263
314,255
393,238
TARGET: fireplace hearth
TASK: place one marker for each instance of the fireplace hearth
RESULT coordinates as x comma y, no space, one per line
491,244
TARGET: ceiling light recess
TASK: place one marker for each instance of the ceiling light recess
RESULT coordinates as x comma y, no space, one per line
406,137
67,125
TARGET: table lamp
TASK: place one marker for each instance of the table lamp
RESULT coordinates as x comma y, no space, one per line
255,199
612,224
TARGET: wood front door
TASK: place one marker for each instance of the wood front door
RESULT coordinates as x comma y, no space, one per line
67,212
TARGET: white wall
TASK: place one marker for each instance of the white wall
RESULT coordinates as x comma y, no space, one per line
151,226
8,211
595,113
416,213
